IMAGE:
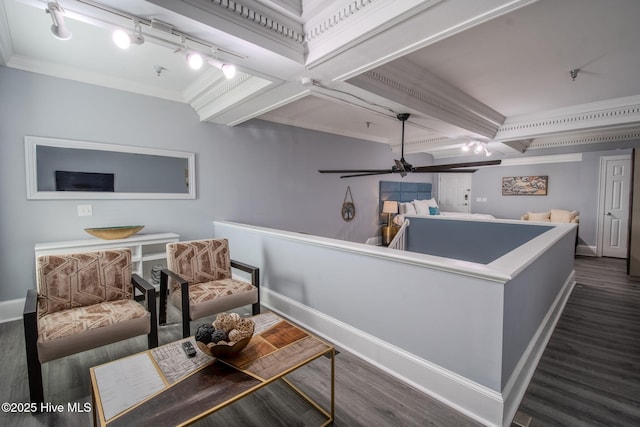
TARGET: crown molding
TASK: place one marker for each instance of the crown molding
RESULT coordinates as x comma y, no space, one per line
254,16
344,24
223,95
409,85
605,115
595,137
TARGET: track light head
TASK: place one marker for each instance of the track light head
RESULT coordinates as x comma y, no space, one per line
194,60
123,39
229,70
478,147
58,29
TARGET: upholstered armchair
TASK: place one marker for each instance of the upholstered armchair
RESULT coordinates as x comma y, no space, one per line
83,301
553,215
198,281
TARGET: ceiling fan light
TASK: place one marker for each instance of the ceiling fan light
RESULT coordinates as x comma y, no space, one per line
121,39
195,61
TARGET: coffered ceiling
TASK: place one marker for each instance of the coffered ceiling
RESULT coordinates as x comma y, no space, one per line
491,70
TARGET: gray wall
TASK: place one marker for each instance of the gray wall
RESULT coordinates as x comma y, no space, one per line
259,173
473,241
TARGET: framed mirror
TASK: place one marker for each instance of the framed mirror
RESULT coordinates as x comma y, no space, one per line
68,169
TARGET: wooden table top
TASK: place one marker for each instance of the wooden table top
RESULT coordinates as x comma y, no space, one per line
199,386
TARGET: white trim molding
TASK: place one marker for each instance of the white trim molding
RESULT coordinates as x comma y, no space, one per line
11,310
620,113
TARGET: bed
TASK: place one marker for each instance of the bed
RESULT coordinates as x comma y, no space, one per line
416,199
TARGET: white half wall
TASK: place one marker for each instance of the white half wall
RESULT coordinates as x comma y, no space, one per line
440,327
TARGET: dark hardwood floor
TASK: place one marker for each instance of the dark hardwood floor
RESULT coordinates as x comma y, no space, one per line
589,374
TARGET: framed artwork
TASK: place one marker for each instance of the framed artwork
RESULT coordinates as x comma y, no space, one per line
525,185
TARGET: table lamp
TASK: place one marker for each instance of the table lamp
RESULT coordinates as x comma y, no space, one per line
389,207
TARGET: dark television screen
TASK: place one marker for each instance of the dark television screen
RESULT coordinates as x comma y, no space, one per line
84,181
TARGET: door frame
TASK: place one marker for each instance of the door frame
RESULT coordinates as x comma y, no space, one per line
601,198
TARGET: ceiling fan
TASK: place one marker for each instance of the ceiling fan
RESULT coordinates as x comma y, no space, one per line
403,167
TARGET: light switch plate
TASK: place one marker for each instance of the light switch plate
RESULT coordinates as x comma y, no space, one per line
85,210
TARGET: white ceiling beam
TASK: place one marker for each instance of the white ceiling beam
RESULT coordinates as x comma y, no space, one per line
407,84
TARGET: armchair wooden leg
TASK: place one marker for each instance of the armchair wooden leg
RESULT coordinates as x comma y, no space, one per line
162,319
34,368
36,390
186,313
152,337
255,308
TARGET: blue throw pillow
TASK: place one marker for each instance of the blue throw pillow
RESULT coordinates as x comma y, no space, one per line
434,211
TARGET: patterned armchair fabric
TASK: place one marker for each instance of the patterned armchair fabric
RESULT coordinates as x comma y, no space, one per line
199,281
199,261
84,279
83,301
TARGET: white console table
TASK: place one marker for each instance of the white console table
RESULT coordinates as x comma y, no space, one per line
146,249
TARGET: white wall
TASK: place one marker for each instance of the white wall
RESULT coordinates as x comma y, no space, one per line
258,172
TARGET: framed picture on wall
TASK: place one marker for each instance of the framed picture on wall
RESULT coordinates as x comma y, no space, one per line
525,185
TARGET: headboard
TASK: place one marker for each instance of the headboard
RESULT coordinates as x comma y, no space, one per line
402,192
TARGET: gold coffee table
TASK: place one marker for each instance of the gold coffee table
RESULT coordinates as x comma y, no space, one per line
162,386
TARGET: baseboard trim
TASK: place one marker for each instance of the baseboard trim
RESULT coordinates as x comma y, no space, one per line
470,398
11,310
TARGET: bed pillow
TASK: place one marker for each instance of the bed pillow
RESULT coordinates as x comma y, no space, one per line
539,216
434,211
560,215
410,208
422,206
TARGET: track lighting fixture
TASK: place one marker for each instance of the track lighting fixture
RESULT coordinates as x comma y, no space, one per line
58,29
123,40
477,146
189,45
229,70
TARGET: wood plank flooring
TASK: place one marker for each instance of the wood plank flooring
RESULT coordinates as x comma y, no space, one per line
589,374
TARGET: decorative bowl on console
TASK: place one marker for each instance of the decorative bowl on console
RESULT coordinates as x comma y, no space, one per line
112,233
226,336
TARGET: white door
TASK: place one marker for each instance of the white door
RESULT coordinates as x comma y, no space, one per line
615,208
454,192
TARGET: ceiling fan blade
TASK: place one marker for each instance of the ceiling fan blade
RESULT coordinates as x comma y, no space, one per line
371,171
437,168
367,174
446,171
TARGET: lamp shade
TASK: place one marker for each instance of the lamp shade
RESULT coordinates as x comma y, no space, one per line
390,207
